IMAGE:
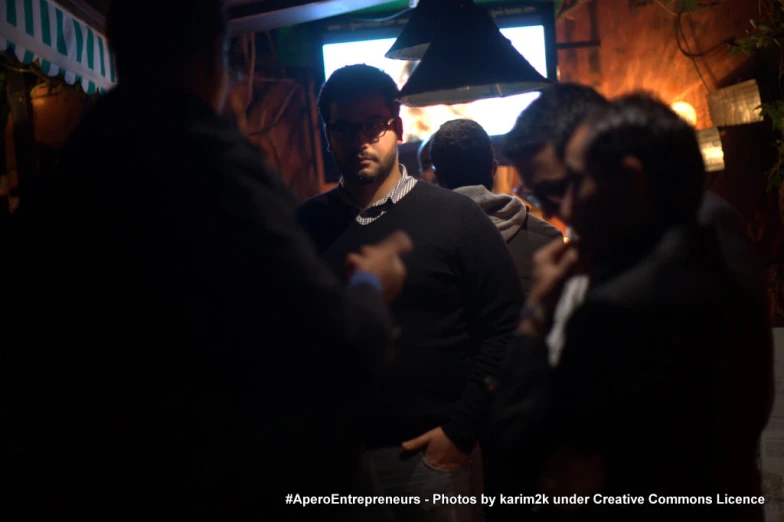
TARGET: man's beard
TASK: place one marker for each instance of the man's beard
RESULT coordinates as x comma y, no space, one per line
358,178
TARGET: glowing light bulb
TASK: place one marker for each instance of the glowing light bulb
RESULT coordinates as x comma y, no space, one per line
685,111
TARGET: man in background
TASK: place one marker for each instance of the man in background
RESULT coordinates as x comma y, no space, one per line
538,139
182,353
536,145
464,161
668,351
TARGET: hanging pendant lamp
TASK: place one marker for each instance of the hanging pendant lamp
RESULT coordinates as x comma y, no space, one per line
469,59
418,31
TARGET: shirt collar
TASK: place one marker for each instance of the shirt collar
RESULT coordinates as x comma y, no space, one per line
393,196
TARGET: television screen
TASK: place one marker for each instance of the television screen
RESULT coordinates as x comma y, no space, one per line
496,115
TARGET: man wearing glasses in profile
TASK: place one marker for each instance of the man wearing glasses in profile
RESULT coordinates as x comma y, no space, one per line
455,314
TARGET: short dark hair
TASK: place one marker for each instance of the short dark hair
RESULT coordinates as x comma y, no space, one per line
138,35
641,126
462,155
551,118
353,81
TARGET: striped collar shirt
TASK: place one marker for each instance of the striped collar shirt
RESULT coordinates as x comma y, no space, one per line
366,216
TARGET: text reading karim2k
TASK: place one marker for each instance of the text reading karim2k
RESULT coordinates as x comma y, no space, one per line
626,500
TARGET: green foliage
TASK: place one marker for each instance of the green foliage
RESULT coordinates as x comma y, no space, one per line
775,112
759,37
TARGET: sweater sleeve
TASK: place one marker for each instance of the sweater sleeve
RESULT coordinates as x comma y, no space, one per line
494,298
349,331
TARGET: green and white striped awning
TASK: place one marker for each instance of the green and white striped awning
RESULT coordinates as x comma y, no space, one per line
42,30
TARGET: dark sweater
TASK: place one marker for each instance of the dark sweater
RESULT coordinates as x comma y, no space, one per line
524,233
460,303
666,355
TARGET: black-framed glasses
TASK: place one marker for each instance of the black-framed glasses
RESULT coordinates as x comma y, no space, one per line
549,194
372,129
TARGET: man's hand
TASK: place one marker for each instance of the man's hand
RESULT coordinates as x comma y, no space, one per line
383,259
553,264
440,452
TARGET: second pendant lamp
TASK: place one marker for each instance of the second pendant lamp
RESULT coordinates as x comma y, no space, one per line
468,59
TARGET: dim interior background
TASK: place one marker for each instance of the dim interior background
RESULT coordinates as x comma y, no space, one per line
617,46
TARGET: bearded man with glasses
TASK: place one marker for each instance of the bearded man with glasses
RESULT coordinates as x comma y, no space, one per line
455,314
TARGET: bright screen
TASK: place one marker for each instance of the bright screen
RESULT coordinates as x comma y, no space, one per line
495,115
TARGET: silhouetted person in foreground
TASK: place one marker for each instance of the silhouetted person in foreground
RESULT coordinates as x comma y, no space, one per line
182,352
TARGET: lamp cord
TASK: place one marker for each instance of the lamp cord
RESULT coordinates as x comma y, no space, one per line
679,32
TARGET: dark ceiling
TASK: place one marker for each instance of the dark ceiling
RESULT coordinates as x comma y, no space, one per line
91,11
102,6
247,15
263,15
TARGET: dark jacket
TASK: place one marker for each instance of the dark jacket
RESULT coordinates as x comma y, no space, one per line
524,234
182,352
656,377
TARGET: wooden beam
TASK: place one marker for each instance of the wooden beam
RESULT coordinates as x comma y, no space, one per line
254,17
578,45
84,11
570,9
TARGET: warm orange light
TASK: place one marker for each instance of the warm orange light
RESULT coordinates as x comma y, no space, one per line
685,111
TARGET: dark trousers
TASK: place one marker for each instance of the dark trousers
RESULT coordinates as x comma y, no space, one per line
414,481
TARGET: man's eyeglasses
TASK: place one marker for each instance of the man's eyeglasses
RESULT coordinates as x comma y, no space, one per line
550,193
372,129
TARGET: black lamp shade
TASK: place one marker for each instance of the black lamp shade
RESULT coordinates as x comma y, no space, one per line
412,42
469,59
